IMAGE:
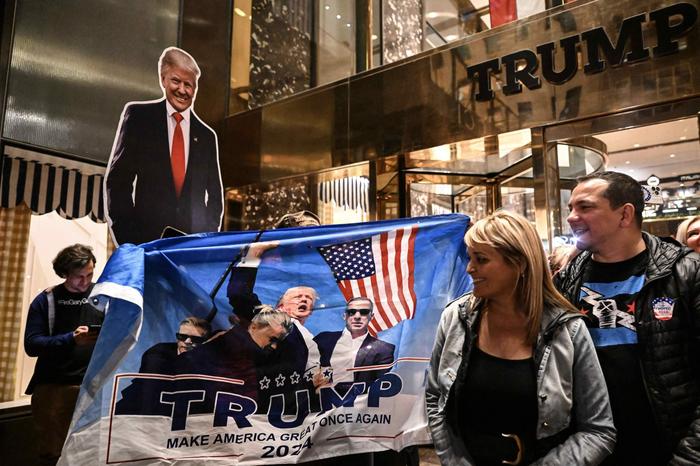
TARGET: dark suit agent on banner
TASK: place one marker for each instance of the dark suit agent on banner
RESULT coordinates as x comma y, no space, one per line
164,166
354,347
160,358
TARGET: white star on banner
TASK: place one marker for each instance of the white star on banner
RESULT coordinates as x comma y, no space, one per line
264,383
279,380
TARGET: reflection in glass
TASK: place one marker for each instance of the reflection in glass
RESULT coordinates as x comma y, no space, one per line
447,21
336,40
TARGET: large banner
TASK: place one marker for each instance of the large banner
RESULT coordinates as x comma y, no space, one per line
338,383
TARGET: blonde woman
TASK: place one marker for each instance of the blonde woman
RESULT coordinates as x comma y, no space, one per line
688,233
514,377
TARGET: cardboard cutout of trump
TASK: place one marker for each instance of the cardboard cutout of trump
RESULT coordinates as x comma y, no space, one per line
164,166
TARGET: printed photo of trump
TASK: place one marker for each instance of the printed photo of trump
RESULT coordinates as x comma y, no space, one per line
164,167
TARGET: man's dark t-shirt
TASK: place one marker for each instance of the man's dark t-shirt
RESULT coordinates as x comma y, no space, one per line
63,364
607,298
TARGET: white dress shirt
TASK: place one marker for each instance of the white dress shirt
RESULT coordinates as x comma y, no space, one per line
344,355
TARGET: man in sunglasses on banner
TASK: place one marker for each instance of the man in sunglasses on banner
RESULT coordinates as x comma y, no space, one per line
160,359
354,348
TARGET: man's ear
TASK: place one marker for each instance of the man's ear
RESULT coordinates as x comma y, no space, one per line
628,216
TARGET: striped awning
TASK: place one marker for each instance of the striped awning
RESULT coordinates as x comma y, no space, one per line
46,183
350,193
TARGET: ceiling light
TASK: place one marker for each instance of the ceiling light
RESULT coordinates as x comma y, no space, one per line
328,7
451,37
627,162
338,16
375,37
682,138
672,155
347,24
636,145
239,12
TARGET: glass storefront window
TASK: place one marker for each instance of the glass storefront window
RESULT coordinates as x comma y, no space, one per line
284,47
669,152
447,21
519,199
337,196
336,40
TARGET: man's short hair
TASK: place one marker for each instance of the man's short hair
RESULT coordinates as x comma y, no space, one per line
175,57
196,322
363,299
267,316
73,258
622,189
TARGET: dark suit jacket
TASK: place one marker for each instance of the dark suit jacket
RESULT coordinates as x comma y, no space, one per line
233,355
159,359
372,352
288,362
141,153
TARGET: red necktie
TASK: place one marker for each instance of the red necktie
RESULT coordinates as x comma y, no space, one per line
177,158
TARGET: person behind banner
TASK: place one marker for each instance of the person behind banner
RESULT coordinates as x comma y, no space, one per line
62,327
688,233
560,257
354,347
164,167
513,376
160,358
303,218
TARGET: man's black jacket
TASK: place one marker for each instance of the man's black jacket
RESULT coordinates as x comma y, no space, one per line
669,349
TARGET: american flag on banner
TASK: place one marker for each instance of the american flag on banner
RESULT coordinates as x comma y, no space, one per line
380,268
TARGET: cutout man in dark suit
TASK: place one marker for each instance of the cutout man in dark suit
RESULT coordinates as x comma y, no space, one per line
164,167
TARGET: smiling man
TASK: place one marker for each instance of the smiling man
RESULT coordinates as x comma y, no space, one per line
354,348
164,167
641,294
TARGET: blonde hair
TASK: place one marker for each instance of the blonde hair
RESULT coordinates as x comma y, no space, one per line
682,231
514,237
560,256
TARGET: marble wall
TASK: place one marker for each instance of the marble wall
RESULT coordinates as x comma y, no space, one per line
263,205
280,49
402,29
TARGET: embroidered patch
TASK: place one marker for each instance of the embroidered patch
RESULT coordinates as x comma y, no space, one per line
663,308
